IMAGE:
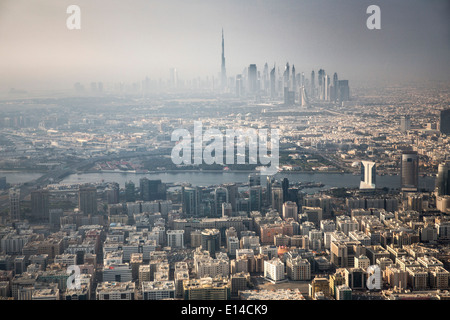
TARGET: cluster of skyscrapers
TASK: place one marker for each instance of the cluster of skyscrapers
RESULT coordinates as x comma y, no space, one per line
289,84
293,87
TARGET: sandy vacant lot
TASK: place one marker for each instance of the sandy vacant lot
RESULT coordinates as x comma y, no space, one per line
262,284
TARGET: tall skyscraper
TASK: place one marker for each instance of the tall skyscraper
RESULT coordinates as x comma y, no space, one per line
190,199
295,195
405,123
320,76
285,187
173,78
130,191
343,91
410,171
40,202
255,198
266,79
113,193
144,189
239,85
280,81
273,87
252,79
220,197
326,87
223,69
287,76
303,99
233,194
269,181
443,179
368,175
334,90
14,204
3,183
87,199
444,122
277,199
313,85
254,179
152,189
293,82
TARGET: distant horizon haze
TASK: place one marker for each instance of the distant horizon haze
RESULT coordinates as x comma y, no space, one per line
128,41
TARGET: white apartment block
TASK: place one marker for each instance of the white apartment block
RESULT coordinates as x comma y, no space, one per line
232,245
274,269
175,238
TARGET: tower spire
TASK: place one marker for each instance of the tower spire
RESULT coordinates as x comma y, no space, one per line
223,71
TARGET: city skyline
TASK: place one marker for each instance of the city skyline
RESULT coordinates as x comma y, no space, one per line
119,43
225,150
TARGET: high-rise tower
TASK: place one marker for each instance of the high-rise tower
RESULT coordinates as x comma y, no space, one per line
443,179
368,175
277,198
303,97
285,188
190,198
223,72
313,85
87,199
343,90
326,87
444,122
334,91
293,82
14,204
152,189
40,204
266,78
220,197
252,79
410,171
286,74
130,195
273,88
405,123
320,78
255,194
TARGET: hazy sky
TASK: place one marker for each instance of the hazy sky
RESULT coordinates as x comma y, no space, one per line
128,40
